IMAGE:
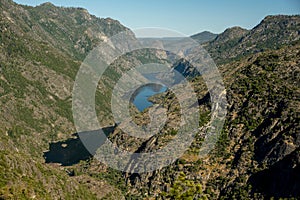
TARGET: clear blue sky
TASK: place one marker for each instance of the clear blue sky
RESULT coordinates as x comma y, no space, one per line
185,16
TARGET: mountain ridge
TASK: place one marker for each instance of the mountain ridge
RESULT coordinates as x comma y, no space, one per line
40,53
271,33
39,62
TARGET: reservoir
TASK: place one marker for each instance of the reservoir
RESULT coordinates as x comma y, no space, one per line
141,95
72,150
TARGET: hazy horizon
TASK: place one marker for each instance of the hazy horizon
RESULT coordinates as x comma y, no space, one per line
188,18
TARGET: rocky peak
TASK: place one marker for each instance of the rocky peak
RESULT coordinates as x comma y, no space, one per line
47,4
231,33
204,36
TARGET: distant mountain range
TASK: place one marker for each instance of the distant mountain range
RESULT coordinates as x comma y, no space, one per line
256,157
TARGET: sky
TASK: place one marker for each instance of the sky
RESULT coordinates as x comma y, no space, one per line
187,17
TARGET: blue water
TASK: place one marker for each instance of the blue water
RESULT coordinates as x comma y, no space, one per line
140,98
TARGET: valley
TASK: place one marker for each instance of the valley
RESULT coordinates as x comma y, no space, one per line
257,155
